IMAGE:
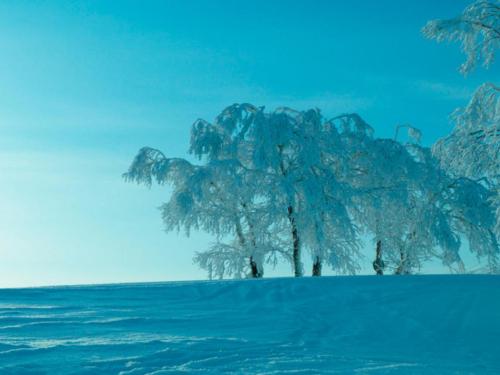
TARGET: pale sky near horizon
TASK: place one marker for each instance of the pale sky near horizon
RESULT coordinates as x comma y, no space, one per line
84,85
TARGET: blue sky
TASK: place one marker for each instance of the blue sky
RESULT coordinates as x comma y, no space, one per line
84,85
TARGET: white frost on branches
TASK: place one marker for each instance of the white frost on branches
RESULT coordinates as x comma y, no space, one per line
473,147
273,185
477,29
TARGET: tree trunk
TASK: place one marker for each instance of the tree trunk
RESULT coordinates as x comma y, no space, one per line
239,233
256,273
378,263
403,267
297,265
317,267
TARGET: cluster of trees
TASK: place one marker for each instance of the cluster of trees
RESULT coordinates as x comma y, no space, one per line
273,186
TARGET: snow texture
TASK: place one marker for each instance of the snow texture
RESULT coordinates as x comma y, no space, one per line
366,325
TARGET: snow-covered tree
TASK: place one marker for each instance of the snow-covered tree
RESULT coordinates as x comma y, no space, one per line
267,188
473,147
413,207
289,150
272,184
217,198
477,29
476,136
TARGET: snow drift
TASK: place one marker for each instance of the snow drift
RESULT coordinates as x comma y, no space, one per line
378,325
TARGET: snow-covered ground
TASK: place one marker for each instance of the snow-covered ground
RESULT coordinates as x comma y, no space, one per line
373,325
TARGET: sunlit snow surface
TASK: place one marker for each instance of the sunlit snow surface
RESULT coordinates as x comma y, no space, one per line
366,325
